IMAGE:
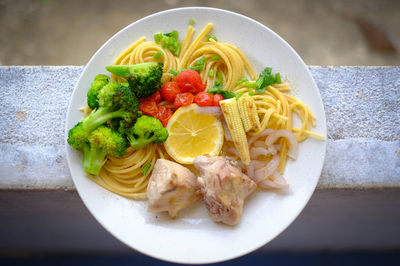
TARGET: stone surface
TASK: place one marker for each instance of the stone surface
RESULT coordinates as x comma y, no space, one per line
362,107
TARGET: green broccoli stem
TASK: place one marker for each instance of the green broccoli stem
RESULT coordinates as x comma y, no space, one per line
94,159
99,117
138,144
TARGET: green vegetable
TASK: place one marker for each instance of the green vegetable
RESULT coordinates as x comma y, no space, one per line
170,41
116,101
144,79
158,55
199,64
102,142
215,57
251,93
211,37
250,84
146,168
278,78
98,83
77,136
242,80
173,72
239,95
211,73
96,146
228,94
218,80
225,93
266,78
173,34
147,129
191,21
158,37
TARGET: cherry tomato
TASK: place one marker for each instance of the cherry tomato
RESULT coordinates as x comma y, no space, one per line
216,99
164,114
170,90
155,97
203,99
183,99
190,81
148,107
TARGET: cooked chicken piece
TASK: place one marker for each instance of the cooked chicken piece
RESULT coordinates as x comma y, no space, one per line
224,187
171,188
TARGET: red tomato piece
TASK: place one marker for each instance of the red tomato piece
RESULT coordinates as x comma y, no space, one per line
183,99
164,114
155,97
203,99
190,81
170,90
216,99
148,107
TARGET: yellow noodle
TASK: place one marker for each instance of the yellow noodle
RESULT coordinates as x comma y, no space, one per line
276,109
275,106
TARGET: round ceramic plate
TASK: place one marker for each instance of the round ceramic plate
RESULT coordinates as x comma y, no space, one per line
194,237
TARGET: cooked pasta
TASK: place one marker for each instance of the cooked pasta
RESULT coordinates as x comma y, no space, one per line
275,107
124,175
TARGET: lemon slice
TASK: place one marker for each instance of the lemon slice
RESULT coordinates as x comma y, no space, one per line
192,134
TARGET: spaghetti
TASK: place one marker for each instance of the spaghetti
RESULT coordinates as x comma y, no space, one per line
223,61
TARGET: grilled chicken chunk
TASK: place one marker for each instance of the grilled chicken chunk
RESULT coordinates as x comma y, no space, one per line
224,187
171,188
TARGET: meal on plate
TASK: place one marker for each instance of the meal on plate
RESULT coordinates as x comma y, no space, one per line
176,121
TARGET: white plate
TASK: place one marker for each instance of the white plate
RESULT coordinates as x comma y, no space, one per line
193,237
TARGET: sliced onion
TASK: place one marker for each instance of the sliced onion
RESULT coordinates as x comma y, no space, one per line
250,170
277,147
276,181
257,164
262,134
258,151
228,135
259,143
279,179
283,133
233,151
209,110
269,184
265,172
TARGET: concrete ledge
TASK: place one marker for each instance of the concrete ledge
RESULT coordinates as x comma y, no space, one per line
356,205
362,108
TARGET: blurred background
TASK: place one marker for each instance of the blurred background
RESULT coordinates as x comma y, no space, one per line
330,32
334,32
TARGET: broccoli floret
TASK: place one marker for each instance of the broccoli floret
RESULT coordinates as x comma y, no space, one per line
115,101
99,82
77,137
144,79
101,142
96,146
146,129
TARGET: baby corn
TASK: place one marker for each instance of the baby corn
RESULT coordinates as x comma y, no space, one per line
230,110
248,113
